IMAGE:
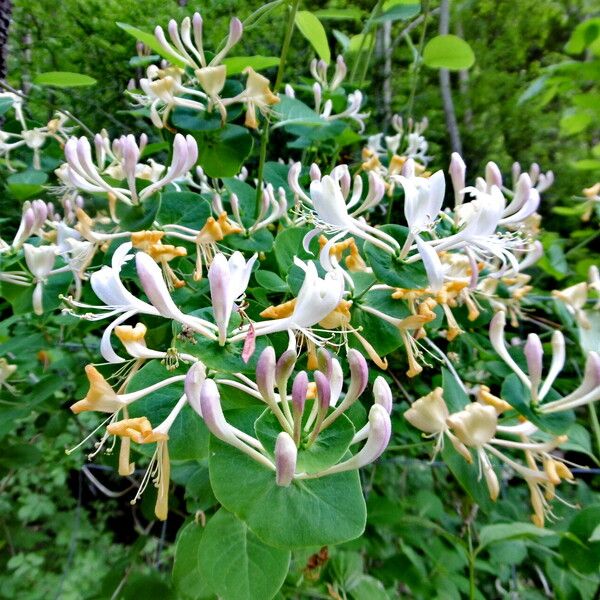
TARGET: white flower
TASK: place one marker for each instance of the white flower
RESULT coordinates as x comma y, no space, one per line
228,281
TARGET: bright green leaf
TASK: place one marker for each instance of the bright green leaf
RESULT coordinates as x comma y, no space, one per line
236,64
63,79
312,29
149,40
236,563
448,52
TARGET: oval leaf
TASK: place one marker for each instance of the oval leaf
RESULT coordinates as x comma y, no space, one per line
448,52
64,79
236,563
312,29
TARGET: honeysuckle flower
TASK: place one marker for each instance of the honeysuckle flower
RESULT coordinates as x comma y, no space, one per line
191,52
154,286
256,96
228,279
163,91
83,173
6,371
194,380
316,299
588,390
118,301
210,404
332,208
141,431
40,261
380,432
575,299
298,432
319,68
32,221
102,398
534,356
351,112
213,231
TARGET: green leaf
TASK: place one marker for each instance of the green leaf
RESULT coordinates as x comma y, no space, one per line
515,393
468,476
236,64
577,548
288,244
340,14
270,281
455,397
575,122
312,29
140,216
222,154
587,164
63,79
585,35
390,269
224,359
5,104
448,52
26,184
291,111
149,40
239,565
399,12
184,208
312,512
327,450
186,575
508,531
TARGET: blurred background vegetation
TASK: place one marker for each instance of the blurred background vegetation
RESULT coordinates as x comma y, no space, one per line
69,533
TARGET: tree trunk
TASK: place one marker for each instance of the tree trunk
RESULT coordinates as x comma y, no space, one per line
5,15
445,89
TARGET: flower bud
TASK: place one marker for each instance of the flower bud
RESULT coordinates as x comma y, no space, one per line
194,380
283,369
299,389
493,175
457,172
534,354
265,375
382,394
285,459
212,413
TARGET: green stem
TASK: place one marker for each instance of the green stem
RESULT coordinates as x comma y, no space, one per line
471,565
415,79
365,33
367,61
265,133
595,425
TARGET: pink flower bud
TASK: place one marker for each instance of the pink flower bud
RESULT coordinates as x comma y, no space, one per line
299,389
194,380
212,413
285,459
382,394
493,175
534,355
265,374
323,391
457,171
